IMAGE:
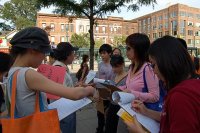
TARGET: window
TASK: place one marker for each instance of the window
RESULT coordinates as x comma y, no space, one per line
154,35
154,27
67,27
144,22
111,29
182,14
149,20
173,14
115,29
62,39
190,15
182,23
197,25
197,33
166,32
52,27
174,25
190,32
81,28
160,34
43,25
97,29
87,28
71,28
53,39
104,29
160,18
160,26
190,41
166,25
166,16
197,42
190,23
62,27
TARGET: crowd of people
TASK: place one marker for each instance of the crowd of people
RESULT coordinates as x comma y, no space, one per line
166,61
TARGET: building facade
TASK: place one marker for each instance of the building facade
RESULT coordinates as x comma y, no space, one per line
63,27
177,20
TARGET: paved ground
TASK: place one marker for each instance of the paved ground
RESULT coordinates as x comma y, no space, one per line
87,121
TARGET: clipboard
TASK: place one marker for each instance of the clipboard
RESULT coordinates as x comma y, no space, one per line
112,88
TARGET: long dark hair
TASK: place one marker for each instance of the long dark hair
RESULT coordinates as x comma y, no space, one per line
173,60
140,43
84,57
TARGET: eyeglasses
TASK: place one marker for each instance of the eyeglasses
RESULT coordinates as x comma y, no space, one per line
128,48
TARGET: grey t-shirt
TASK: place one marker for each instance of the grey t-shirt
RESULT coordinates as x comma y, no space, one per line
25,97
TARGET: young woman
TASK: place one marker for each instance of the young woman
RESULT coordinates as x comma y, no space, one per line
83,71
119,77
29,47
137,46
64,56
181,111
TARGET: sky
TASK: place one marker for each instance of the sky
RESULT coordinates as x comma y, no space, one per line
161,4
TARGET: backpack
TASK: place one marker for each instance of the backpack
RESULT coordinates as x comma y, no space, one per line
157,106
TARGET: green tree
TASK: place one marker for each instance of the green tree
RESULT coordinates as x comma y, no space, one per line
20,13
119,40
98,43
93,9
80,40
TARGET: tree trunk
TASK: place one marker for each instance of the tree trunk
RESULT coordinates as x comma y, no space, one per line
91,18
92,43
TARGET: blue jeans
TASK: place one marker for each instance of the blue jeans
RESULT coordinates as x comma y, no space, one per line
68,124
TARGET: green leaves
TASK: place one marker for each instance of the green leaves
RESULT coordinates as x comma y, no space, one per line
80,40
20,13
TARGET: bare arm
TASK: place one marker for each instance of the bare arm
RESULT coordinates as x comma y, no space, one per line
36,81
138,106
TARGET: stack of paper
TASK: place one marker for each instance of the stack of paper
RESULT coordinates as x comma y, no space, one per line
66,107
124,100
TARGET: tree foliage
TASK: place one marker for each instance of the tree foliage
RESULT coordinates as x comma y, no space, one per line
20,13
80,40
119,40
93,9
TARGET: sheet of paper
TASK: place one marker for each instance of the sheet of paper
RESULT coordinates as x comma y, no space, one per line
66,107
90,76
147,122
54,73
97,80
122,97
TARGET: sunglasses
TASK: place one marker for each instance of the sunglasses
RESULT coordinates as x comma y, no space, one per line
128,48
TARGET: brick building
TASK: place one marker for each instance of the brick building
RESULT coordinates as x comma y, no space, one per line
177,20
62,27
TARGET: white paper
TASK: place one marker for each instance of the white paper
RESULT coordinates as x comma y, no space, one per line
124,100
122,97
66,107
90,76
97,80
150,124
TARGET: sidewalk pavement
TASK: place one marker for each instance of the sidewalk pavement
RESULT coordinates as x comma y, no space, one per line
86,121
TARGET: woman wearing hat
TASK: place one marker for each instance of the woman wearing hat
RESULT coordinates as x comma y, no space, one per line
29,47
